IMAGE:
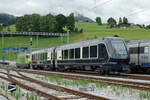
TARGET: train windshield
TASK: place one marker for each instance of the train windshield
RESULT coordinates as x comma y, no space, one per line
120,50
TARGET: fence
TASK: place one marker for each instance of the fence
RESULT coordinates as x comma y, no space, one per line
32,34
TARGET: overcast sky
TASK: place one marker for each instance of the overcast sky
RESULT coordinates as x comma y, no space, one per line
137,11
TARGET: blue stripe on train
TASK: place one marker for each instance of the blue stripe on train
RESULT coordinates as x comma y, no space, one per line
147,64
132,64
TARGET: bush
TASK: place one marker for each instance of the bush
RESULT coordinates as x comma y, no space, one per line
148,27
81,30
76,30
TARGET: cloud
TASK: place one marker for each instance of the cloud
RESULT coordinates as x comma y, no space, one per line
137,11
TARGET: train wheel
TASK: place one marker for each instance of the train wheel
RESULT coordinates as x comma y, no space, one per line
101,71
61,68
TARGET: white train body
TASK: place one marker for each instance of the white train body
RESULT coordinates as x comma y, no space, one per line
139,53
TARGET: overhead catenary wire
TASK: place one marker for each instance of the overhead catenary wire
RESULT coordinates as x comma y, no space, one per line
100,4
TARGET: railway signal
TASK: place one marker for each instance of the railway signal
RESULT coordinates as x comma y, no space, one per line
30,41
31,51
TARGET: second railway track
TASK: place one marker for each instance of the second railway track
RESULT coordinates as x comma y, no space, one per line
77,95
132,84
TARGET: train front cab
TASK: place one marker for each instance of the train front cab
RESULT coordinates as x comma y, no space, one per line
23,60
118,61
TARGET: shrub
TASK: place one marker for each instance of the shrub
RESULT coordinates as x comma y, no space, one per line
81,30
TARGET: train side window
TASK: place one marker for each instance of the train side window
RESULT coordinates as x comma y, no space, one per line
46,56
41,56
38,57
65,54
146,49
93,51
77,53
141,49
71,53
85,52
51,55
32,57
133,50
62,53
102,51
27,56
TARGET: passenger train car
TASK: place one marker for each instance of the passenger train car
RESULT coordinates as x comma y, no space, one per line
42,58
104,55
139,55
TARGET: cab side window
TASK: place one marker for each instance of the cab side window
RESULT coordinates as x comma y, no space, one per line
102,51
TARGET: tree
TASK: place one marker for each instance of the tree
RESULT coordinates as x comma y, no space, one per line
111,22
120,21
148,27
48,24
38,23
61,22
1,27
71,22
19,24
8,28
125,20
35,20
98,20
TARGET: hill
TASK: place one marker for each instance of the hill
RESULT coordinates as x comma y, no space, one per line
81,18
7,19
91,31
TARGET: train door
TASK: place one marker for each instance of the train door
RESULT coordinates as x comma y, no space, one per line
49,57
144,60
102,52
54,58
59,55
134,54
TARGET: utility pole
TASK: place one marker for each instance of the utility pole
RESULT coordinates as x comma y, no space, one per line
37,40
61,39
68,37
2,40
31,52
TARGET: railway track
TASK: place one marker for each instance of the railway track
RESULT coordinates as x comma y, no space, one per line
128,76
44,94
71,94
132,84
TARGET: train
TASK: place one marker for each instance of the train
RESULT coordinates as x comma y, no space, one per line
103,55
139,55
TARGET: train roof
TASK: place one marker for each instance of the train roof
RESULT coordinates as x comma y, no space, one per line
83,43
43,50
23,53
137,41
87,43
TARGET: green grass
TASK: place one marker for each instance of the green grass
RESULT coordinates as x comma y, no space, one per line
90,31
11,27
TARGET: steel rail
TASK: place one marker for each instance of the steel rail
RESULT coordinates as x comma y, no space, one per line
59,88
